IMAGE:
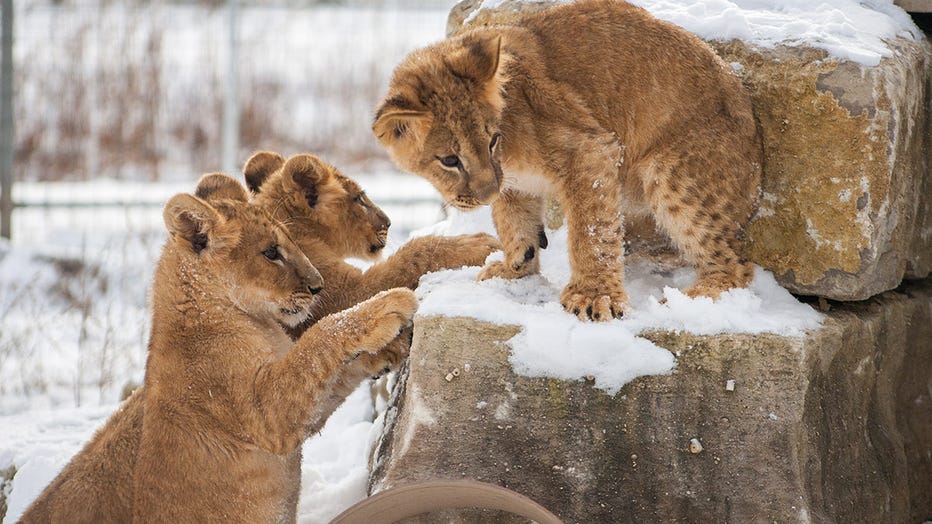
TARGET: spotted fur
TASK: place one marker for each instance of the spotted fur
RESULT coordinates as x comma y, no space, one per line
606,108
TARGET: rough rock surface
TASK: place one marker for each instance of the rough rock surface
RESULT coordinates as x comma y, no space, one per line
846,211
6,478
835,426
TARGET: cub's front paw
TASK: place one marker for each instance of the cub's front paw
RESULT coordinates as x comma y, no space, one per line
375,365
496,269
507,271
385,315
472,250
391,356
595,301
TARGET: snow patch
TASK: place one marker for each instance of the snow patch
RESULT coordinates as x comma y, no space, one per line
846,29
553,343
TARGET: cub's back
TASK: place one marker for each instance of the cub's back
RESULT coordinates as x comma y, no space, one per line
620,57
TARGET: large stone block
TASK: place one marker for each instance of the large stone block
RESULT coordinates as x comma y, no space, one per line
846,211
845,189
835,426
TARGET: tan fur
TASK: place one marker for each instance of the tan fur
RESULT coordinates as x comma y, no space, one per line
331,218
616,112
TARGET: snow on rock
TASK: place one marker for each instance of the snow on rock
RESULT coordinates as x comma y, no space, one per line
846,29
555,344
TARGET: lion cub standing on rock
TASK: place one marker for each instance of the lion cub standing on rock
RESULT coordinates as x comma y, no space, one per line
228,395
606,107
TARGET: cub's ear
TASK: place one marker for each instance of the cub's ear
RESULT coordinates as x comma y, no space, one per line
393,123
259,167
306,174
478,58
190,218
217,185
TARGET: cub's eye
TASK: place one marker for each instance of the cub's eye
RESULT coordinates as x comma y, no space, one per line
272,253
496,138
450,161
358,199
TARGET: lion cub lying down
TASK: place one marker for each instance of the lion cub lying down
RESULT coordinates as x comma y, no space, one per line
605,107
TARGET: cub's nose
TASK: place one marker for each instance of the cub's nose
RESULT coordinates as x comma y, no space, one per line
384,221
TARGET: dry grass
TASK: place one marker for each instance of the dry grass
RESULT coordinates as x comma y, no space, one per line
104,95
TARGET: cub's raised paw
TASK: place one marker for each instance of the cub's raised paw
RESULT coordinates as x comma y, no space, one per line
599,302
378,364
385,315
375,365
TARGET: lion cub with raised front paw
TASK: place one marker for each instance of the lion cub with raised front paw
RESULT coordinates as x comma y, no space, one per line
331,218
97,484
607,108
228,394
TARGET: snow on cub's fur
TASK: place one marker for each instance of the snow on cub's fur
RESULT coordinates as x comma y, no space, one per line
228,394
605,107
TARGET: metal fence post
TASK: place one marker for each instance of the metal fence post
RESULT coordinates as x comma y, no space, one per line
231,105
6,119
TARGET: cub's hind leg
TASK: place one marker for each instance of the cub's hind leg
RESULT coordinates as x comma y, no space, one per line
704,205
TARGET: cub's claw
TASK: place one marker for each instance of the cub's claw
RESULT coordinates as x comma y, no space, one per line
594,304
526,263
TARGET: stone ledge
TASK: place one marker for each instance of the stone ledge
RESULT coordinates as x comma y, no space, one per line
847,197
835,426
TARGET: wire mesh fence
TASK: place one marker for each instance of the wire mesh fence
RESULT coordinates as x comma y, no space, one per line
136,90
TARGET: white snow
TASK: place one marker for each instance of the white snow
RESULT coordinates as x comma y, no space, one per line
553,343
846,29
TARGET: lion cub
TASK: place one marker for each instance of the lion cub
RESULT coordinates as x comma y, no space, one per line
331,218
607,108
228,395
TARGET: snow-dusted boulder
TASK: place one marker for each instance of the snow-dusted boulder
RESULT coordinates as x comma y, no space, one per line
841,89
831,426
